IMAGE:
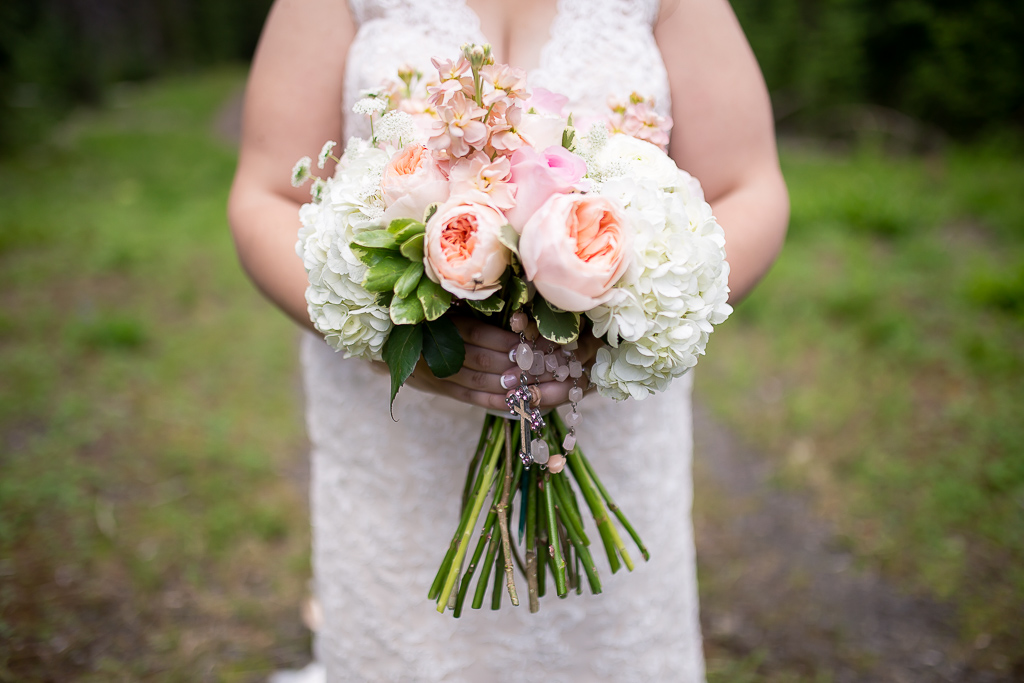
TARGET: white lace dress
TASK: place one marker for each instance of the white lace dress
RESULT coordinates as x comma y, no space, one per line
385,495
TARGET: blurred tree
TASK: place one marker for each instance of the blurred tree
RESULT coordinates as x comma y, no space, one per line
55,53
957,65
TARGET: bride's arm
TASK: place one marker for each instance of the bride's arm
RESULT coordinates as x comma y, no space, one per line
292,106
724,133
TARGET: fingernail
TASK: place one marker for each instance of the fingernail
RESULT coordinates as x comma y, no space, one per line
508,380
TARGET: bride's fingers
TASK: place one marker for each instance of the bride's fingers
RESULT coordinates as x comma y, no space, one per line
554,394
486,360
476,333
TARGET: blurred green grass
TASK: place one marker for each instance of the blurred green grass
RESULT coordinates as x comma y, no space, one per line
151,427
148,407
880,364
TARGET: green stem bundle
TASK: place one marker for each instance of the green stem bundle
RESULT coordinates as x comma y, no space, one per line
556,540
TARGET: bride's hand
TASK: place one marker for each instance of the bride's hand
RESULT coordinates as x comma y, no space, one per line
487,374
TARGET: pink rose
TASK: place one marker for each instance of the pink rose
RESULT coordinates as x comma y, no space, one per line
575,248
462,251
537,176
412,182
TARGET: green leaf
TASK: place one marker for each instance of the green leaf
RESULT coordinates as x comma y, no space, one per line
412,248
492,304
431,210
404,228
508,236
382,275
406,310
443,348
376,239
406,284
518,293
560,327
371,256
401,352
434,299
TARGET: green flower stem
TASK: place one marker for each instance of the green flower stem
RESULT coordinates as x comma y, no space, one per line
485,536
569,516
579,584
502,509
494,448
477,454
531,540
443,570
613,544
554,546
496,589
583,555
542,538
615,508
485,575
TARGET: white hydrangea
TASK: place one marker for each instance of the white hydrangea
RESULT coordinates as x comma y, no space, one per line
663,309
341,309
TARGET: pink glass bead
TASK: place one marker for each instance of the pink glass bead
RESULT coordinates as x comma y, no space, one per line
524,356
537,367
518,322
575,369
569,442
539,450
575,394
562,373
573,419
550,362
555,463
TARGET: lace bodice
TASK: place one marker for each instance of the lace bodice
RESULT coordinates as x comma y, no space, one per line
596,49
385,495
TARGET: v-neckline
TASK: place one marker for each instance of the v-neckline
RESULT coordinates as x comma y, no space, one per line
543,48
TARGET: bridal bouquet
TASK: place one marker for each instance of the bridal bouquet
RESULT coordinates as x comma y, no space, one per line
477,197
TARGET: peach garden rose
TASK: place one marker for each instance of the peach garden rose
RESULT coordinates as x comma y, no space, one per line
462,251
575,248
411,182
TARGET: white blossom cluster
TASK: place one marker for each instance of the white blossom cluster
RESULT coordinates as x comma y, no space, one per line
340,308
663,309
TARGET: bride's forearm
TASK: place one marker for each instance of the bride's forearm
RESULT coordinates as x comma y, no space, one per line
754,216
265,226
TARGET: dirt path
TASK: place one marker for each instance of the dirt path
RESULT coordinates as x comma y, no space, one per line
774,580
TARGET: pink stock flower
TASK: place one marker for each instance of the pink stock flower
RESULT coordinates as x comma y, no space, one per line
453,80
411,182
637,118
458,131
478,179
505,139
462,250
506,81
539,175
575,248
649,125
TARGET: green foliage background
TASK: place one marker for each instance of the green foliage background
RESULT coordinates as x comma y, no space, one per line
956,65
58,53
